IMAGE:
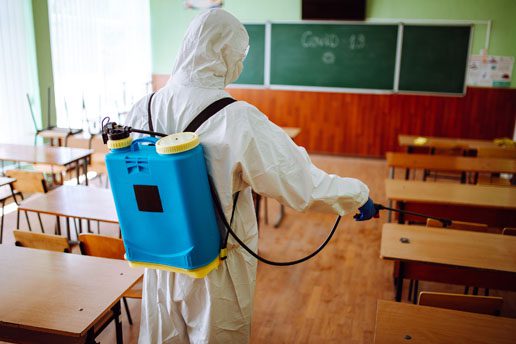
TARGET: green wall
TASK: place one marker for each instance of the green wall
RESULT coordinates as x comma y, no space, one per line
169,20
43,57
501,12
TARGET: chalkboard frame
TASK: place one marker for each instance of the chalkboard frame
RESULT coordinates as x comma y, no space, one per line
399,49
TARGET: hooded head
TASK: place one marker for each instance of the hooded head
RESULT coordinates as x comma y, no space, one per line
212,51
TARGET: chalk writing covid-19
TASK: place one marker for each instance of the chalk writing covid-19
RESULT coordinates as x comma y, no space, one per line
332,41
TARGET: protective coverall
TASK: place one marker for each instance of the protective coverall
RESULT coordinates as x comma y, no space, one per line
243,150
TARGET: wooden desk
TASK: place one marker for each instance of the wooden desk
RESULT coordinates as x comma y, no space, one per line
51,297
451,163
61,135
292,132
57,156
493,205
486,148
6,181
489,196
443,142
81,202
405,323
487,260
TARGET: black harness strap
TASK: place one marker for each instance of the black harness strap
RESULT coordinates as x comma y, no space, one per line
208,112
149,113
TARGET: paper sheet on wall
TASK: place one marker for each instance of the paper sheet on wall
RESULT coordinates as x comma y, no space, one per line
490,70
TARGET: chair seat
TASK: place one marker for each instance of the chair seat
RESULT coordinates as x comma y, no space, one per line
136,291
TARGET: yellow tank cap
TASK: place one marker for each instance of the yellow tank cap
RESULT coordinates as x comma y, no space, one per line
122,143
177,143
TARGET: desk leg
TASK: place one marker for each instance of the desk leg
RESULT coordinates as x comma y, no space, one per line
399,281
401,216
77,172
118,324
280,217
85,168
58,225
90,337
2,225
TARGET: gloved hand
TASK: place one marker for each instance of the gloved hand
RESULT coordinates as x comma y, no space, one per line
367,211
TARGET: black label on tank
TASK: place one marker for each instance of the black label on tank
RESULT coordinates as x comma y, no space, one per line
148,199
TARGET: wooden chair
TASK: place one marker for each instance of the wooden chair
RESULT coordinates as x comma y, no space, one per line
97,163
467,303
109,247
509,231
6,192
41,241
459,225
30,182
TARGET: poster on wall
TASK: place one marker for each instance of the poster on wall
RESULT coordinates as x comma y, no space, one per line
203,4
490,71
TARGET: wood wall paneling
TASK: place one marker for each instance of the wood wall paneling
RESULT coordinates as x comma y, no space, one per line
369,124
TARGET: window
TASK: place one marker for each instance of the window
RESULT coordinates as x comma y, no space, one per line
101,58
18,73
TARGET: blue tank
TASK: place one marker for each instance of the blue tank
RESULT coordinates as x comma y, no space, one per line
164,205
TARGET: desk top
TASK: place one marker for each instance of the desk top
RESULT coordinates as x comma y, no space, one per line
6,181
77,201
450,247
444,142
60,293
430,325
489,196
42,154
451,163
292,132
58,133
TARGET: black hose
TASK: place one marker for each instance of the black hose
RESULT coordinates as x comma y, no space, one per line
218,207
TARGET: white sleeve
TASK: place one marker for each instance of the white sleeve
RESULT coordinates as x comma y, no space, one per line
274,166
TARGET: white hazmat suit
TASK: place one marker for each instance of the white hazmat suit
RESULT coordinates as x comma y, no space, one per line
243,150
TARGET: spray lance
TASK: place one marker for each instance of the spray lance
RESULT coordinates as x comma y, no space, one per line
146,151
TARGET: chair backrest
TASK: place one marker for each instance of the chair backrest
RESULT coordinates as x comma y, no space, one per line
509,231
101,246
28,181
41,241
466,303
460,225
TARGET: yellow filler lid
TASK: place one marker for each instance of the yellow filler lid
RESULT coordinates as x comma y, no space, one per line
177,143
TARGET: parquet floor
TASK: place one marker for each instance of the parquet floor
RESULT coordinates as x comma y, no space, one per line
329,299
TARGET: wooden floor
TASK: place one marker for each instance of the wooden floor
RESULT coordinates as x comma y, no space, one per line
329,299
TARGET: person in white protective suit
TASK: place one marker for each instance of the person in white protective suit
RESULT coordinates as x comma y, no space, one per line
243,151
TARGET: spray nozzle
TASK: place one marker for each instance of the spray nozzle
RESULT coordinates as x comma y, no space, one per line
113,131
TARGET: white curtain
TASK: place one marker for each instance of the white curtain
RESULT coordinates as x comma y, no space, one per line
18,73
101,58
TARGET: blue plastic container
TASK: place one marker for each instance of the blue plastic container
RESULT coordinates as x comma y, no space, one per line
164,204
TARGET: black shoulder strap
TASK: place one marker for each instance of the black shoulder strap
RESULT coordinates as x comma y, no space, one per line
208,112
149,113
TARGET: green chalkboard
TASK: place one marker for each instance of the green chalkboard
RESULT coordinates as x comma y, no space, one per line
434,58
333,55
254,63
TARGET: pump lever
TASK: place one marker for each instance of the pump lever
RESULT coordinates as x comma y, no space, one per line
446,222
114,131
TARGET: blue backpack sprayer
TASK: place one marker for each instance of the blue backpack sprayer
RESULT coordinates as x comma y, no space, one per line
169,213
